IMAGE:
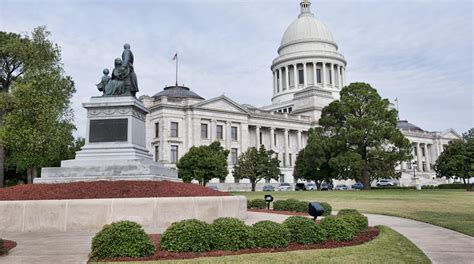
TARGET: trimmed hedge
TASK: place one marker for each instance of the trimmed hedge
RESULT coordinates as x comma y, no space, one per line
347,211
2,250
268,234
257,204
337,228
304,231
291,205
394,188
230,234
121,239
187,236
453,186
428,187
327,208
358,221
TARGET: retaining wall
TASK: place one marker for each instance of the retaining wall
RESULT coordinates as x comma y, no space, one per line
93,214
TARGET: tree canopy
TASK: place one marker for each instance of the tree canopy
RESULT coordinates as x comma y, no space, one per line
257,164
204,163
37,120
457,158
363,133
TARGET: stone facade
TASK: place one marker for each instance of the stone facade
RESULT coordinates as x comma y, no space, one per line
308,74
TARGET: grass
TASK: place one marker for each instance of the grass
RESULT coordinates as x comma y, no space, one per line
388,247
453,209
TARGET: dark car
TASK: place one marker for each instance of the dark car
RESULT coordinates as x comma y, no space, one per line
268,188
357,186
300,187
326,186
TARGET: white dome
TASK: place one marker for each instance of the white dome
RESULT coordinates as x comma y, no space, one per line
306,28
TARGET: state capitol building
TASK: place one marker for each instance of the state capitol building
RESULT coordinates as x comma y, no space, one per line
308,74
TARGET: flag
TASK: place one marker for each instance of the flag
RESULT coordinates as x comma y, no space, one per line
175,56
396,99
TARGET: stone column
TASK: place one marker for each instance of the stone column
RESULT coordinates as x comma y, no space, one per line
286,148
299,140
257,132
280,82
305,78
315,78
427,158
274,83
295,76
228,135
418,157
323,75
272,137
213,130
343,78
332,76
287,76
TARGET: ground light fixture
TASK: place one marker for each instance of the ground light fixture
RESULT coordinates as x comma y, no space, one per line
268,200
315,209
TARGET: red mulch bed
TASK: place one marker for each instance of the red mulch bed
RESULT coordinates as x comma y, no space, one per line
276,212
361,238
105,189
7,246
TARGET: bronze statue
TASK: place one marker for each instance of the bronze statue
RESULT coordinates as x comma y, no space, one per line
123,80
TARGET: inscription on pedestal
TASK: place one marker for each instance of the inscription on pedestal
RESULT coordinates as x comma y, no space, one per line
108,130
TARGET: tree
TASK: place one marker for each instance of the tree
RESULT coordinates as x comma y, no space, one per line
457,159
363,124
257,164
204,163
37,120
19,54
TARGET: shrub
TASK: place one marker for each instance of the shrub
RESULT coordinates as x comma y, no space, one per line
186,236
347,211
429,187
327,208
257,203
453,186
268,234
304,231
394,188
121,239
291,205
338,229
357,220
230,234
2,250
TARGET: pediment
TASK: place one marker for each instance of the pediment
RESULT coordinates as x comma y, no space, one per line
451,134
221,103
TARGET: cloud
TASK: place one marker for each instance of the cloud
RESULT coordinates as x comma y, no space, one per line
420,52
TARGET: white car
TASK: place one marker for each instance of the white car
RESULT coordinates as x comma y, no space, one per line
311,187
284,186
382,183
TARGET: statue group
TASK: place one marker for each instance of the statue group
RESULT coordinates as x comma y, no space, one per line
123,80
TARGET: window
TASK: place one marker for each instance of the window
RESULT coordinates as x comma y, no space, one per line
282,178
157,153
174,129
300,77
260,139
278,82
236,180
285,110
267,180
415,150
318,75
234,156
174,154
423,166
219,132
290,109
409,165
284,159
423,152
157,129
289,157
234,133
275,140
204,131
289,141
330,76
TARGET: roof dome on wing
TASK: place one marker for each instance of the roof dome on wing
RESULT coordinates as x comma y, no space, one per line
405,125
306,28
178,92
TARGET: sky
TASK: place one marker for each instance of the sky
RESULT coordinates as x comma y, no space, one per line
420,52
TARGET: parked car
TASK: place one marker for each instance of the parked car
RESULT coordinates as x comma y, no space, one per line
268,188
300,186
214,187
382,183
357,186
284,186
326,186
341,187
311,187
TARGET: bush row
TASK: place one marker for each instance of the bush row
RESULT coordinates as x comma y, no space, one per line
2,250
257,204
453,186
294,205
394,188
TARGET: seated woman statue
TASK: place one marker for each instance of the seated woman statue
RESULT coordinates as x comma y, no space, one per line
116,84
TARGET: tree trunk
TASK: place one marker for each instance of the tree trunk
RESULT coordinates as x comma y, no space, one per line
365,175
253,186
29,175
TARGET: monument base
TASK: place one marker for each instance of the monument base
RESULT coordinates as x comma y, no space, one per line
114,148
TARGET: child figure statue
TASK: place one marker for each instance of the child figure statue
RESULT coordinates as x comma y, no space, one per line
104,81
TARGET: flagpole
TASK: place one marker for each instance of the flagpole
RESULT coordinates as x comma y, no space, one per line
176,68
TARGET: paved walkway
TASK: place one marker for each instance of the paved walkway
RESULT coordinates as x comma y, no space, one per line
439,244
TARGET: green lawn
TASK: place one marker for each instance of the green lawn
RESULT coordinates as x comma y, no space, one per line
388,247
453,209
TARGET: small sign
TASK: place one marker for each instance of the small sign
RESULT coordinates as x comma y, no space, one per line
108,130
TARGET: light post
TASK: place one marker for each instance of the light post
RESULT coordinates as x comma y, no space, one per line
414,165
